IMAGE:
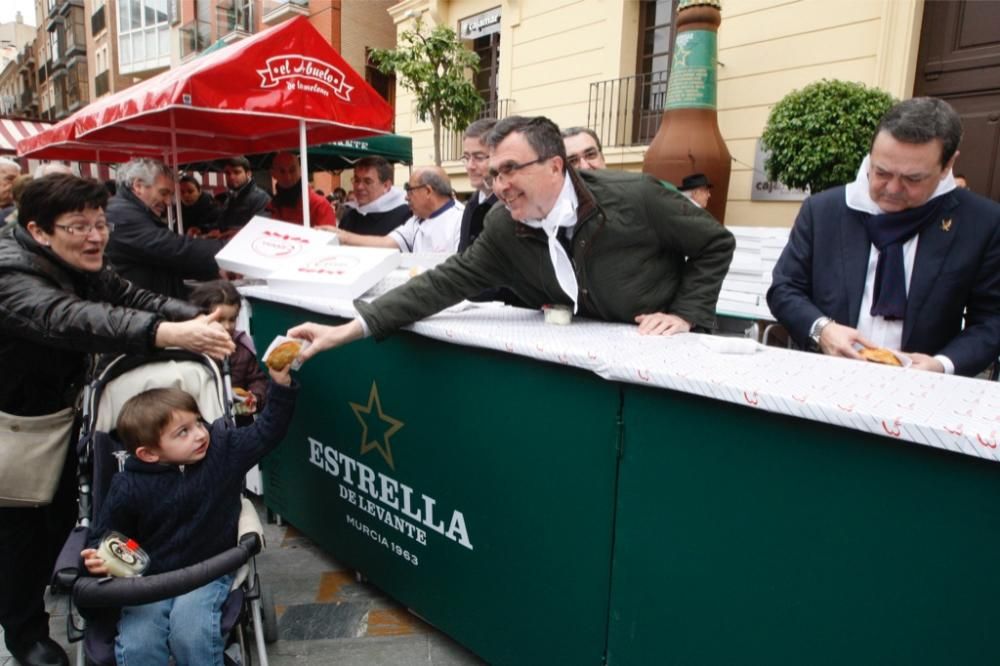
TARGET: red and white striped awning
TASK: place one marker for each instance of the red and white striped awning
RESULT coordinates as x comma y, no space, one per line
13,130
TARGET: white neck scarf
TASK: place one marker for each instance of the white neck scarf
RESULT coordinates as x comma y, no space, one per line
563,214
394,198
858,198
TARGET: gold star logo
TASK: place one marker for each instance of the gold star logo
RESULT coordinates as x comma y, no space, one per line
389,426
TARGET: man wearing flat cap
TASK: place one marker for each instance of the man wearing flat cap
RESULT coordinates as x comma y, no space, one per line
697,188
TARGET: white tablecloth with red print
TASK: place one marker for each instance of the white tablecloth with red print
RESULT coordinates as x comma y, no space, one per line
952,413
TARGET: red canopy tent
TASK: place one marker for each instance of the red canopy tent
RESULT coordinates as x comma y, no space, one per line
285,87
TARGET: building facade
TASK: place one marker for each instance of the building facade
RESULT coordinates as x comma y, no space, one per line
604,64
15,37
62,70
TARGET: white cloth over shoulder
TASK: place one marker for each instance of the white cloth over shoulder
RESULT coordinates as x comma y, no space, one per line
563,214
438,234
391,200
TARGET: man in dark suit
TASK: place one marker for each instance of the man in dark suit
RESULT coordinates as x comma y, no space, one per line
899,257
475,158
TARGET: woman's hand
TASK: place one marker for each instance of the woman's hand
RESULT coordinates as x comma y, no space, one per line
95,565
203,334
323,337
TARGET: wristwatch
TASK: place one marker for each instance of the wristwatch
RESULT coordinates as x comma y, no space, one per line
817,329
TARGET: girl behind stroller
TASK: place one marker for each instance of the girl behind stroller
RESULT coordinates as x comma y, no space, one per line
248,380
179,496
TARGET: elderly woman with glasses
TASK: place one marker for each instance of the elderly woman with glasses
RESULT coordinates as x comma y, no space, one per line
59,303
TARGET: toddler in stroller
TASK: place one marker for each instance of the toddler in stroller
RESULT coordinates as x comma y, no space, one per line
178,495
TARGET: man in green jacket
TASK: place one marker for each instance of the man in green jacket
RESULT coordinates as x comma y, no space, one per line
614,246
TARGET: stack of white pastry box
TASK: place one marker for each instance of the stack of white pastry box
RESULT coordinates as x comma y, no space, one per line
745,287
300,261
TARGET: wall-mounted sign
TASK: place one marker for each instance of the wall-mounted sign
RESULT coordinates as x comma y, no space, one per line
480,25
763,189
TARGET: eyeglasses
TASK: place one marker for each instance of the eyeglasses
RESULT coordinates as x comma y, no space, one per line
590,155
409,188
478,158
507,169
84,229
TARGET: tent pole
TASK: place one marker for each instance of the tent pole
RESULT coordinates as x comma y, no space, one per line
176,175
304,161
171,216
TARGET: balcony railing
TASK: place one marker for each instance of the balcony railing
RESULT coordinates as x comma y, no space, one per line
98,20
195,36
27,98
77,96
451,146
102,83
627,111
234,20
277,11
76,41
26,58
64,6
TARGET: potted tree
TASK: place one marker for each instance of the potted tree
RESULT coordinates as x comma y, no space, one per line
817,136
436,68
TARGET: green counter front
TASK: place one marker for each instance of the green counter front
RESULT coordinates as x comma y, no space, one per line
451,478
747,537
542,515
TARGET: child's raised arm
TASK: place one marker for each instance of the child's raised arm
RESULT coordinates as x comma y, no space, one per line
283,376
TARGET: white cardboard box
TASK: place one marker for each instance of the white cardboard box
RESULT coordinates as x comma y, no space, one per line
335,272
265,245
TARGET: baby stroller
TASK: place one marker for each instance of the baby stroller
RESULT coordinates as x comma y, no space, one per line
95,602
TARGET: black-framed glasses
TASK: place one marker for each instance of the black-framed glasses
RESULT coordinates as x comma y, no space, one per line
509,168
409,188
84,228
590,155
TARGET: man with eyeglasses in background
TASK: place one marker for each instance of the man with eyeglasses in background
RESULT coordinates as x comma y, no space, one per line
475,159
378,207
583,148
612,245
142,247
436,220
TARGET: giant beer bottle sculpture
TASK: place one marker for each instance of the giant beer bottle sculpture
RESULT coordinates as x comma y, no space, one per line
688,140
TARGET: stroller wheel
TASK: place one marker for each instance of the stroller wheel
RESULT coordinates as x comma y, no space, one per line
269,615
